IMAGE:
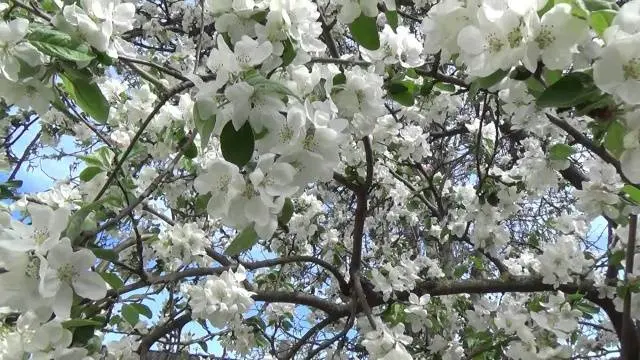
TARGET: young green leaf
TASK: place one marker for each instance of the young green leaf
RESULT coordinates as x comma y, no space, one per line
87,95
570,90
288,53
601,20
402,92
287,212
243,241
204,125
365,32
237,146
613,140
89,173
560,152
267,86
73,323
392,18
60,45
112,279
142,310
130,313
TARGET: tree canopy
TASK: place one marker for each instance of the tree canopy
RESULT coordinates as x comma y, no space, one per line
320,179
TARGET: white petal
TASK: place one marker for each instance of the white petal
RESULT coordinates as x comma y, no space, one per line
10,68
62,302
90,285
630,163
60,254
471,40
82,259
49,282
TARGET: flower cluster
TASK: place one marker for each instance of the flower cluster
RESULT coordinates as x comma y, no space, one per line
220,299
387,343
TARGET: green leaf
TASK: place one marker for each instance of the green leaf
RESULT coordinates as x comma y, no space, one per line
616,258
191,151
445,86
267,86
203,125
587,308
142,310
520,73
570,90
551,76
49,6
535,87
105,254
547,7
601,20
402,92
394,314
365,32
288,53
73,323
613,140
243,241
486,82
597,5
287,212
237,146
130,314
578,8
427,87
339,79
89,173
560,152
74,229
392,18
112,279
58,44
87,95
633,192
82,335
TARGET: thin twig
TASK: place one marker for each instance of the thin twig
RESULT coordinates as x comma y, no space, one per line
628,328
25,155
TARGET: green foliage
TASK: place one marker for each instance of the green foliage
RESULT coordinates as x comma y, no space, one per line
8,189
237,146
365,32
286,213
203,125
130,314
402,91
74,323
632,192
392,18
112,279
288,53
613,140
142,310
572,89
104,254
394,314
486,82
89,173
560,152
601,20
59,45
86,93
243,241
267,86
